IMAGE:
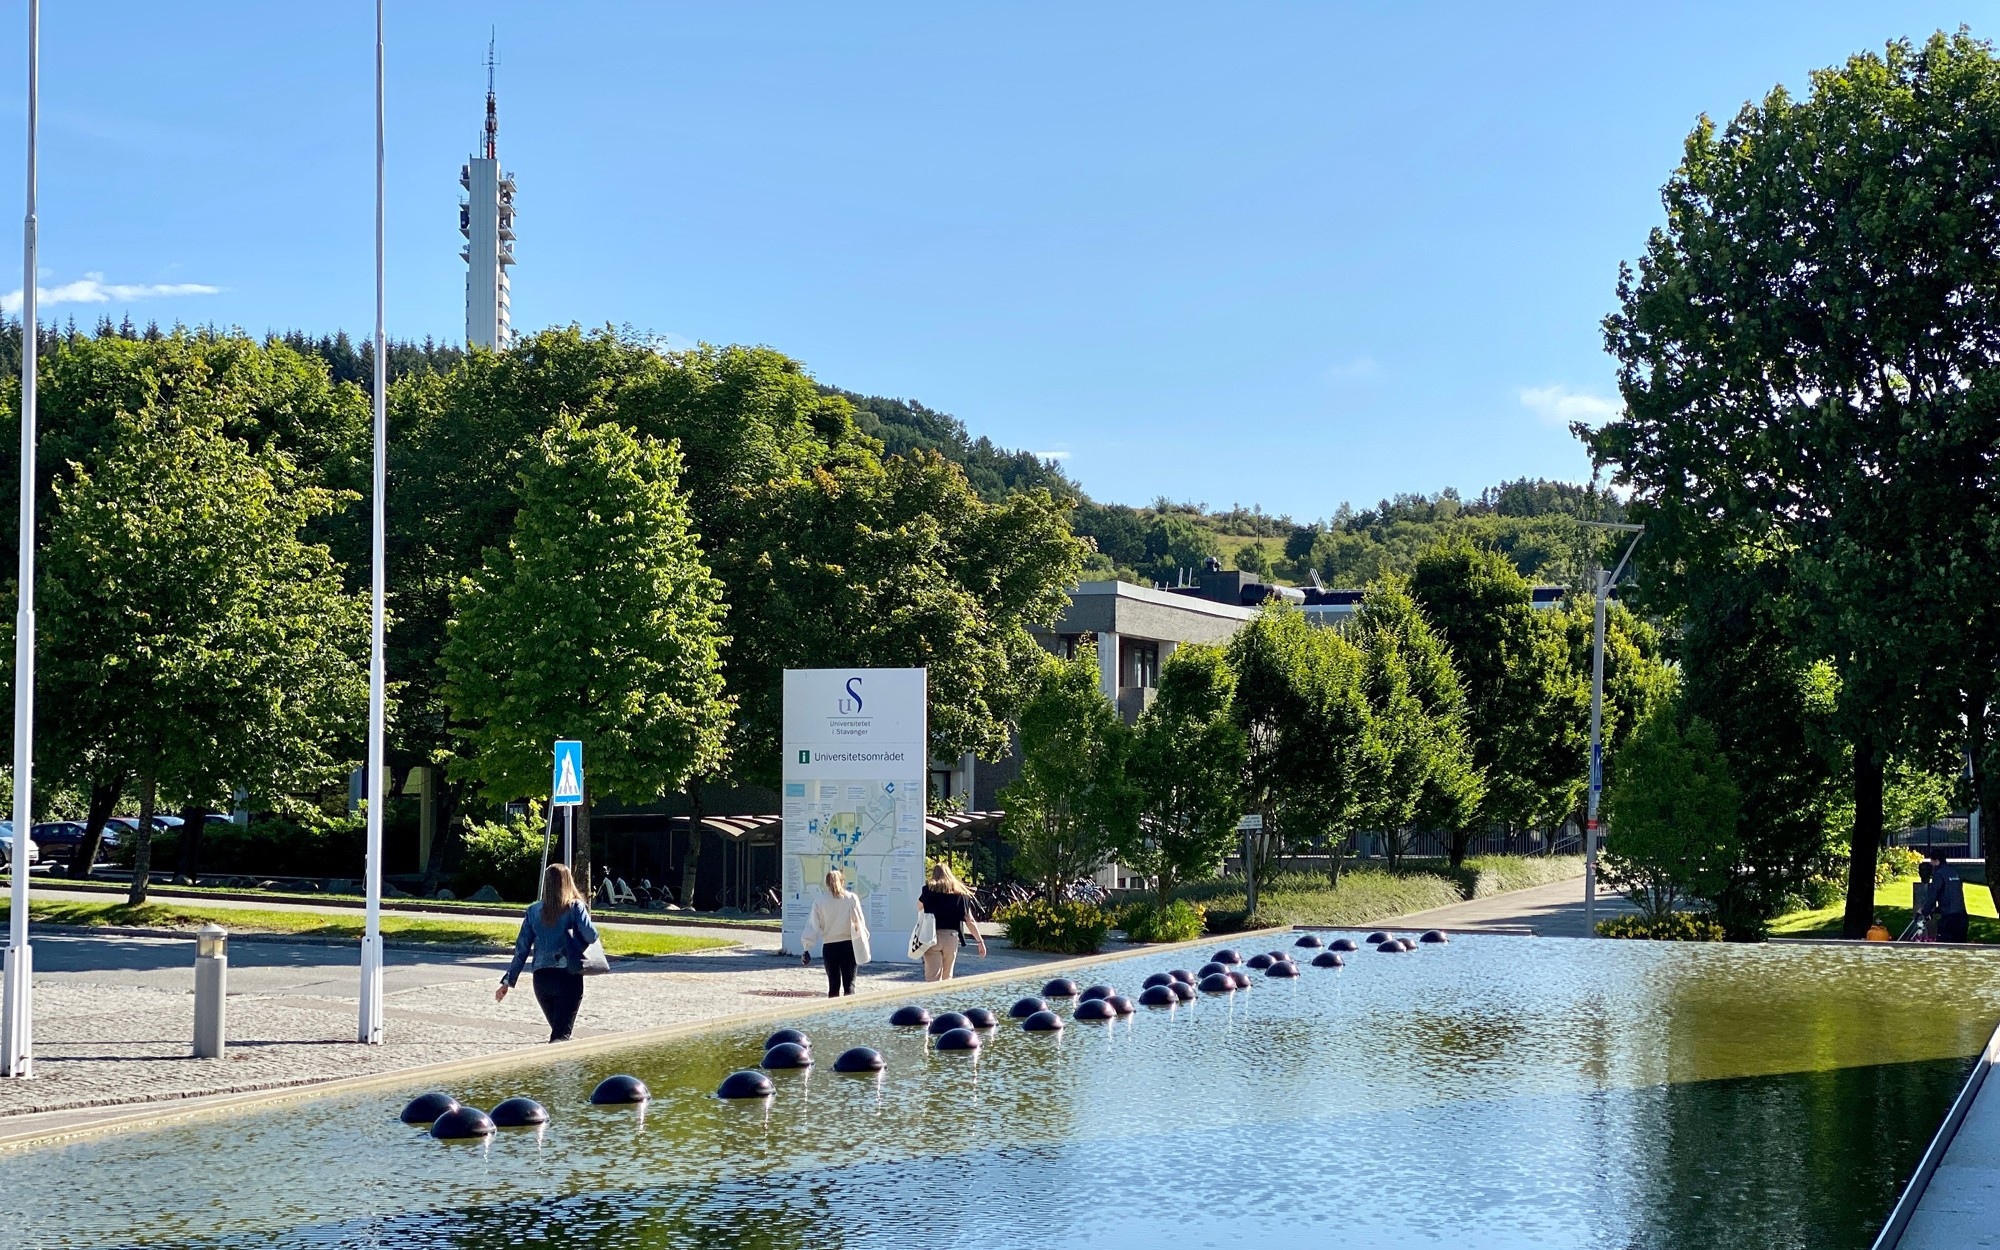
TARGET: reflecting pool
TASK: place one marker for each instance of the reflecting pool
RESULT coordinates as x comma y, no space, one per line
1493,1092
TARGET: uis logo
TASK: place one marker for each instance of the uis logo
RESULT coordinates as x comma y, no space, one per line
851,705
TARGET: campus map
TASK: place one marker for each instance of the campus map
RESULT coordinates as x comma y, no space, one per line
873,831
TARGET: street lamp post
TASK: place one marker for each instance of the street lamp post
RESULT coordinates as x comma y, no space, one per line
1604,583
371,935
17,1015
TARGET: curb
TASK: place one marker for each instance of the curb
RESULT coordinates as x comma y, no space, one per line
546,1054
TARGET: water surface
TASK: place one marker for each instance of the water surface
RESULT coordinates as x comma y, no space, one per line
1496,1092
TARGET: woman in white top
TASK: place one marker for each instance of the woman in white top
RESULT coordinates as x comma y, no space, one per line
838,926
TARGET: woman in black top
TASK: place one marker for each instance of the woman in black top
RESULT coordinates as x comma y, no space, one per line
951,903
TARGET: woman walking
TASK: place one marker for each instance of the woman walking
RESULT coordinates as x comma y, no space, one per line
841,931
556,931
946,899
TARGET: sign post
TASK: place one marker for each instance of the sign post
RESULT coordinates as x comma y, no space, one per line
856,761
566,789
1252,829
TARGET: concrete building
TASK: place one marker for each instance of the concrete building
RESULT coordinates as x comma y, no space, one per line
486,219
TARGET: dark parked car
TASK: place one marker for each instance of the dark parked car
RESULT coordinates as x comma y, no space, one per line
58,839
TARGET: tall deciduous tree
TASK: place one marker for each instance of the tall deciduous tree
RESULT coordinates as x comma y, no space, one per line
1312,745
1527,705
1072,806
1186,773
1809,354
598,620
1670,815
1414,689
196,641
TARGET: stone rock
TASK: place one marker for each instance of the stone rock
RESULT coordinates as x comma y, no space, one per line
444,895
485,894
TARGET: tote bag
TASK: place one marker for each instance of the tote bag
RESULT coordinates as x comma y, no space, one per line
594,960
924,936
862,951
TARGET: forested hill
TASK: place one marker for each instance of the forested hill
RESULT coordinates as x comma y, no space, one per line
1533,522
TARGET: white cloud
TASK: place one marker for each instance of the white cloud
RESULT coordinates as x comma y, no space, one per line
93,289
1353,370
1559,405
1051,455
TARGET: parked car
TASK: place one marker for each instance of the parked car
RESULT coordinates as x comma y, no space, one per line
58,839
130,824
33,853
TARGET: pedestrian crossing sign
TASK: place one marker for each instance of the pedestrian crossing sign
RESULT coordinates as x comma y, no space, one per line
566,790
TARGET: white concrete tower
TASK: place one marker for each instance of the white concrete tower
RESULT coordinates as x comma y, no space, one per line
486,219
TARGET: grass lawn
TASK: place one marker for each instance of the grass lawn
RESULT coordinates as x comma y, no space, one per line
1892,904
1369,893
693,919
343,925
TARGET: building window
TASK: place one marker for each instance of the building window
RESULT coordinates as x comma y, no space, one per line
1138,663
941,785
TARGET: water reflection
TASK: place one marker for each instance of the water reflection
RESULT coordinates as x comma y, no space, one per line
1568,1094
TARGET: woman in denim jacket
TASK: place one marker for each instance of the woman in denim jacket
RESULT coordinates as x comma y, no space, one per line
555,931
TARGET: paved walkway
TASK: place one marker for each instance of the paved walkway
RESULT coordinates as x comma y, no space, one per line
1549,910
114,1016
1960,1208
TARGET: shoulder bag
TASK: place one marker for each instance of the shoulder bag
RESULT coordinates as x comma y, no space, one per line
924,936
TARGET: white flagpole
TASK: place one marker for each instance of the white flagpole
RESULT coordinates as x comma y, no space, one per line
17,1018
371,937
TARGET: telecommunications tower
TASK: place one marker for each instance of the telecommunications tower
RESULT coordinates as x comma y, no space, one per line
486,219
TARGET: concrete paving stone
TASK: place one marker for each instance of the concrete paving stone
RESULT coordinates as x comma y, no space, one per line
114,1017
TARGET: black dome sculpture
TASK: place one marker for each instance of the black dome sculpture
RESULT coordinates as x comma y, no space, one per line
745,1084
945,1023
426,1108
1095,1009
860,1059
959,1039
788,1035
785,1056
1434,936
519,1113
613,1090
1328,959
1217,983
1061,987
1043,1022
1158,996
981,1017
910,1017
1026,1007
460,1123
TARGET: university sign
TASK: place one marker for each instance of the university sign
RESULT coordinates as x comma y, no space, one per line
855,762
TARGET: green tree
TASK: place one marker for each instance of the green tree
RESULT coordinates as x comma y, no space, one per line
1310,740
1670,816
1773,716
1072,805
1808,365
1252,558
1176,543
1415,692
1527,705
195,641
1186,773
597,620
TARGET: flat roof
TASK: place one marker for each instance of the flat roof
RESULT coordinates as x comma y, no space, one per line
1165,599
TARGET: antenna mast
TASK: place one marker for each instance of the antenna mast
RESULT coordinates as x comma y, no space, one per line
492,108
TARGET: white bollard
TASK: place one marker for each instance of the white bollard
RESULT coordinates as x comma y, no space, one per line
211,991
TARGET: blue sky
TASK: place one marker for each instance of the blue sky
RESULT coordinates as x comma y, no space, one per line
1276,254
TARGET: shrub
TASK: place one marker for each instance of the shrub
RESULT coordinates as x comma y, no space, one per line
1677,926
1488,875
1178,921
1896,863
507,857
1066,928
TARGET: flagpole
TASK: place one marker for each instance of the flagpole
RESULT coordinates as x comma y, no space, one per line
17,1014
377,790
